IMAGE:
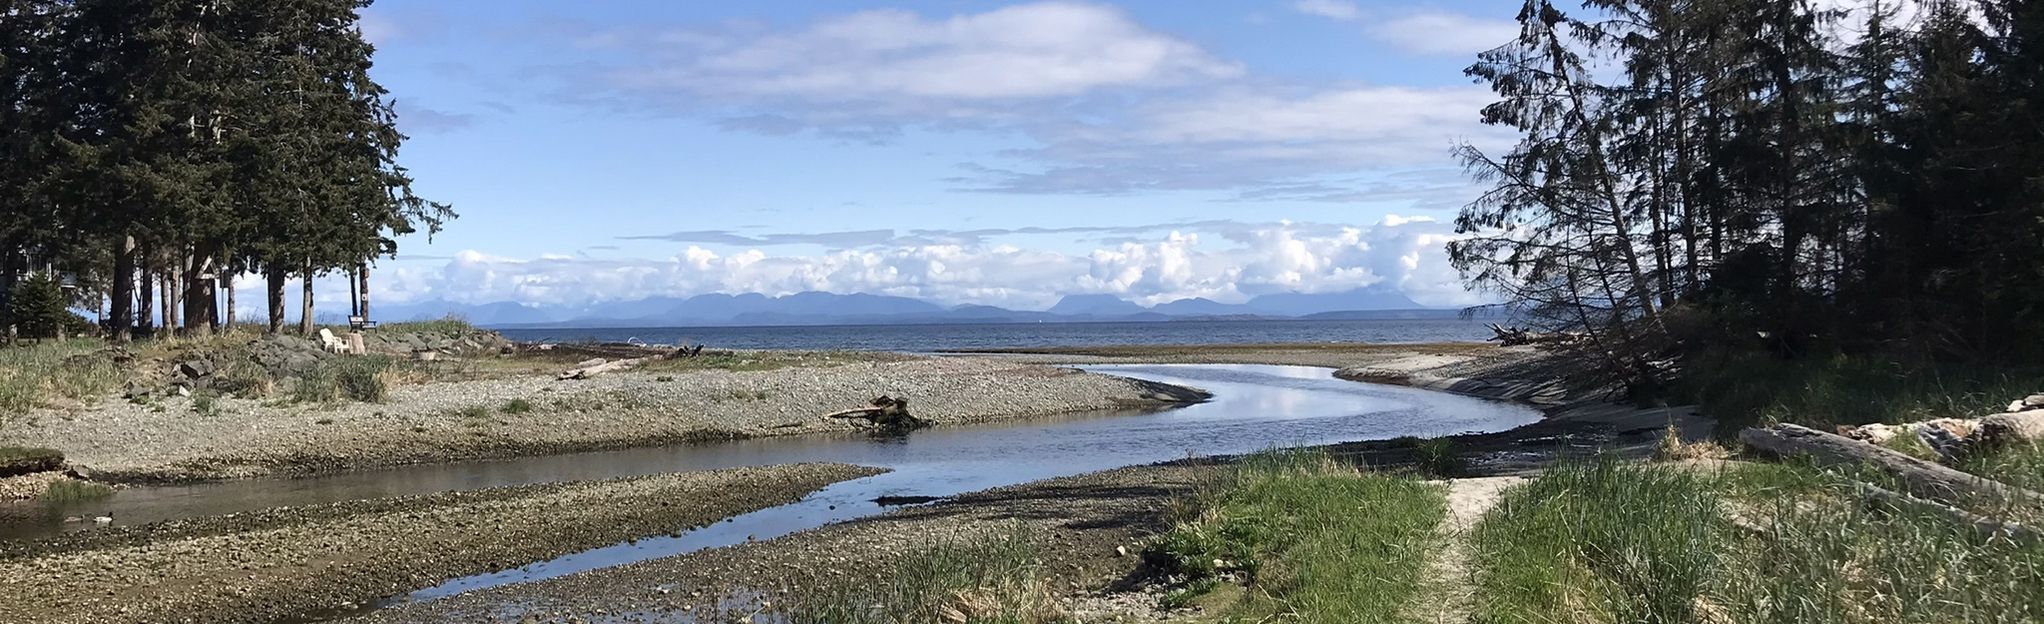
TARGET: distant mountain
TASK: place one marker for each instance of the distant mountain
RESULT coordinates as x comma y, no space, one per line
822,308
1197,306
1303,304
1094,305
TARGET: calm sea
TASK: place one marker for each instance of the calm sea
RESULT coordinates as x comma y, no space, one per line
1016,335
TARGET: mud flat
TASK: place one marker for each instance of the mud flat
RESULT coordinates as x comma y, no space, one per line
535,414
286,562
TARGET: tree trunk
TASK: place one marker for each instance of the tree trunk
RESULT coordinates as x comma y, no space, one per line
1918,477
363,273
305,305
145,299
228,313
173,293
273,293
120,316
199,296
354,295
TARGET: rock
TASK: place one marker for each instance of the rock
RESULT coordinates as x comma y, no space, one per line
195,369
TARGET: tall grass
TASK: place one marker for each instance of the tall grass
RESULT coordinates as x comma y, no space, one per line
1317,541
444,325
34,375
995,577
1606,542
362,378
1598,541
1743,388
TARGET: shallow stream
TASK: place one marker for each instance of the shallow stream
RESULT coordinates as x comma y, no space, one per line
1254,407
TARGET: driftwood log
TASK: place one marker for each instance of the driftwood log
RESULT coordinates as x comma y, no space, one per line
1516,336
1985,526
598,366
1918,477
885,412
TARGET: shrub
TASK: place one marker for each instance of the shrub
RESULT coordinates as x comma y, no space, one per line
36,307
244,378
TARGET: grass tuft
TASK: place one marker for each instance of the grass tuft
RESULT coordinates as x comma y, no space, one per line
73,490
991,577
1316,540
1598,542
516,406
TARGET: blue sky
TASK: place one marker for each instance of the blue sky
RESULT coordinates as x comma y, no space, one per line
1004,153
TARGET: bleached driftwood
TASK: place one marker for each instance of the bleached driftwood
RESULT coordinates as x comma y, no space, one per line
598,366
883,411
1986,526
1921,478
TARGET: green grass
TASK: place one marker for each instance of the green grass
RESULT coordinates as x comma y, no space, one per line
1598,542
360,377
71,491
16,460
1743,389
1314,540
995,577
36,375
205,404
516,406
1608,542
444,325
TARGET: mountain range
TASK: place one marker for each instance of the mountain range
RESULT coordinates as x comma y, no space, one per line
821,308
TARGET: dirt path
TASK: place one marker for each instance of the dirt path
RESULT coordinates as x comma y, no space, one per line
1450,596
284,562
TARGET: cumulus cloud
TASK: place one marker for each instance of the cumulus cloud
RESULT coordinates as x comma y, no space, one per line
1228,262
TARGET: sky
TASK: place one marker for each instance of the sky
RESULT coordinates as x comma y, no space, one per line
965,152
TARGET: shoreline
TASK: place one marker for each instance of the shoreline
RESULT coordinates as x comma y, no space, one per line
1088,527
529,415
290,562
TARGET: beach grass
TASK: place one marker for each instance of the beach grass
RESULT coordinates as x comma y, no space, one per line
993,576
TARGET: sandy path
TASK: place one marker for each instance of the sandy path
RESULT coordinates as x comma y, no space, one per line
1449,593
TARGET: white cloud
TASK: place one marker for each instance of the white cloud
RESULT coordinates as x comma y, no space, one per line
1261,142
1243,261
1437,33
1331,9
895,61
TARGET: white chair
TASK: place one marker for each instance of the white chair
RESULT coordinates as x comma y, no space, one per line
331,343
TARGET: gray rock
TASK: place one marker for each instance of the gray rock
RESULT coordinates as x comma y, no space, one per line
194,369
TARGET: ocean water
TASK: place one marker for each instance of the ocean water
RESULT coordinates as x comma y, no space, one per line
926,338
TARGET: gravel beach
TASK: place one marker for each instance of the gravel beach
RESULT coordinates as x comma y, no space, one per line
1077,522
283,562
169,441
